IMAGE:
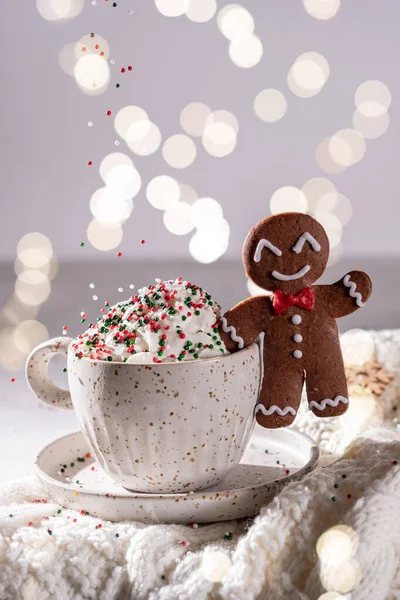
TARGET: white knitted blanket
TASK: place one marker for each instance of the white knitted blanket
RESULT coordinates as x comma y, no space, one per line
50,553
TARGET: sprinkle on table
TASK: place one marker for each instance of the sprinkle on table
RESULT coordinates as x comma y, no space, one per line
333,498
228,535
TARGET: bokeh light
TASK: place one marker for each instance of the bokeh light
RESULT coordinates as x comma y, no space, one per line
222,117
335,255
308,74
59,10
254,289
34,250
324,158
322,9
178,218
337,204
288,199
28,334
187,193
347,147
208,245
206,211
67,58
215,565
193,118
11,358
220,133
109,208
370,127
179,151
201,11
14,311
124,181
143,137
113,161
172,8
32,287
218,150
372,98
163,192
332,225
235,22
246,52
126,117
341,577
92,74
270,105
358,347
92,43
314,188
337,544
104,237
332,596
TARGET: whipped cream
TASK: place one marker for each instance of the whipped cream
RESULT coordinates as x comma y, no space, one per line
167,322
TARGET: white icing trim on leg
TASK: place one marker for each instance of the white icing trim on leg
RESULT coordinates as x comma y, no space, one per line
328,402
274,409
232,330
352,291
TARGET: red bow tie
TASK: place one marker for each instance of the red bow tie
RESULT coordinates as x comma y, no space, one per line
304,299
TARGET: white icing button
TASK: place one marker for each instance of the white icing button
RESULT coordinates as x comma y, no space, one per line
298,338
297,354
296,319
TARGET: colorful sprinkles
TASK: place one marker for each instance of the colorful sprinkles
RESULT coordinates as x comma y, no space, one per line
172,320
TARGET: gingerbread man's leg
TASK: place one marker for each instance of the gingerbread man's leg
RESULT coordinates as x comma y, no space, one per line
280,396
326,382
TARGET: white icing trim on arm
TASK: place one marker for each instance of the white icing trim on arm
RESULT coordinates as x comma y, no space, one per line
232,330
352,291
265,244
328,402
306,237
275,409
298,275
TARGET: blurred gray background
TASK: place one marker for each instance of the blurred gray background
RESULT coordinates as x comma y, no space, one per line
46,144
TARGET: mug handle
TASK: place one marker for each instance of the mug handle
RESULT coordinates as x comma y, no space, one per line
37,375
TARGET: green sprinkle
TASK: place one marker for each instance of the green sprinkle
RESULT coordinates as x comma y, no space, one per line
49,531
64,370
333,498
160,353
197,312
83,320
72,464
195,355
228,536
211,346
109,358
277,462
336,485
219,343
163,577
82,244
184,318
81,459
117,86
210,304
215,330
266,451
59,511
62,470
11,516
125,359
200,345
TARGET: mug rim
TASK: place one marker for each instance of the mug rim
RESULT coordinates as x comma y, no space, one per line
162,364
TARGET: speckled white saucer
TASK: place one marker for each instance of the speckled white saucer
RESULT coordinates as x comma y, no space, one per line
272,458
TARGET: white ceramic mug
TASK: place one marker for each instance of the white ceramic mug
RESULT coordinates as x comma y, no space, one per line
166,427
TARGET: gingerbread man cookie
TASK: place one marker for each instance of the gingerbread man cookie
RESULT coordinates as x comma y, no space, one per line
285,254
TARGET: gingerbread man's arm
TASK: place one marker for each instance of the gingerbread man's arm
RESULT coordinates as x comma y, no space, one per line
346,295
243,323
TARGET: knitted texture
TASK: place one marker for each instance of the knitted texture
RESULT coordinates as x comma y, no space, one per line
47,552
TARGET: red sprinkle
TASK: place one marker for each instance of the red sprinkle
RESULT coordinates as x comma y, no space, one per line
182,336
87,455
12,380
119,254
129,68
287,471
82,512
183,543
74,521
349,496
30,524
143,242
122,70
108,113
99,525
90,163
395,462
92,468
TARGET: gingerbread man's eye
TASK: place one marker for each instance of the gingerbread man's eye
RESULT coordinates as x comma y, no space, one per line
306,237
265,244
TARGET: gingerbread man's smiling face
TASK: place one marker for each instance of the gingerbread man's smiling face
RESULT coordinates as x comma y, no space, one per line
288,252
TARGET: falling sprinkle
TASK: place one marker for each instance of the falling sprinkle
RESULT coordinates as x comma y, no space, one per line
64,370
119,254
131,286
95,297
333,498
116,142
108,113
122,70
82,244
89,165
83,315
12,380
92,286
90,124
143,241
120,289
